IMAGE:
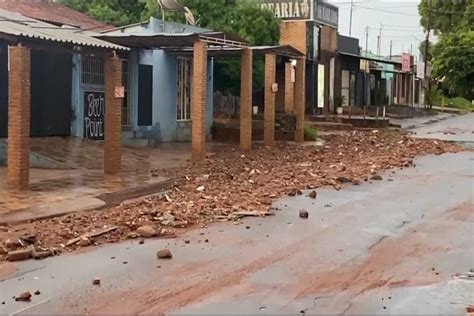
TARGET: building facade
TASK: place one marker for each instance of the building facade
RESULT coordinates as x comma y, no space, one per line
311,26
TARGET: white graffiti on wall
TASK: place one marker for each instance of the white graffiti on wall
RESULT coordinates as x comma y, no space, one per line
94,119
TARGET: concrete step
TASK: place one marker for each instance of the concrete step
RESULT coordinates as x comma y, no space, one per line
325,126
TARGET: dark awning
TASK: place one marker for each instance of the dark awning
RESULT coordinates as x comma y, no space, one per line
173,40
385,61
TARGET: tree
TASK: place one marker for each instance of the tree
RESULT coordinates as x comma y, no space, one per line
453,54
115,12
454,62
244,18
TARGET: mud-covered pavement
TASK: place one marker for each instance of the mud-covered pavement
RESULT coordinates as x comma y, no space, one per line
404,245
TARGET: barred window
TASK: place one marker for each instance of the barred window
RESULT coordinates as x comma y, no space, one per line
92,72
184,89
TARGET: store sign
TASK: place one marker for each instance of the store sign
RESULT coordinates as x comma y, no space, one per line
420,70
289,9
326,13
406,62
94,111
320,86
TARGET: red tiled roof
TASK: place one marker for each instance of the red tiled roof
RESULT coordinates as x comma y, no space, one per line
54,13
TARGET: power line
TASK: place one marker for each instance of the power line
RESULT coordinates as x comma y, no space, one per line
386,11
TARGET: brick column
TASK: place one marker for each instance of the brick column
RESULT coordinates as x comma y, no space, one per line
246,100
113,116
199,100
19,94
269,111
289,89
300,99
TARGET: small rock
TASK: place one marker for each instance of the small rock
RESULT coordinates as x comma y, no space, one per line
313,194
179,224
141,242
376,177
299,192
200,189
304,214
23,297
470,309
84,242
343,180
164,254
133,235
37,292
187,241
247,227
19,255
207,240
96,281
147,231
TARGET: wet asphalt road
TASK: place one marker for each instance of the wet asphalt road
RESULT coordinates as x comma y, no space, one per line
394,247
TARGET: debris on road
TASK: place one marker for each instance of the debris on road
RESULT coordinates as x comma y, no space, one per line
246,187
37,292
376,177
19,255
96,281
147,231
313,195
23,297
304,214
164,254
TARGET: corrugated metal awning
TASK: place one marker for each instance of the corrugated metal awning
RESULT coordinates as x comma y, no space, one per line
21,27
215,51
173,40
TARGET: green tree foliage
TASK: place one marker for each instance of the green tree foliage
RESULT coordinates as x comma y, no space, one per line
240,17
454,61
115,12
453,54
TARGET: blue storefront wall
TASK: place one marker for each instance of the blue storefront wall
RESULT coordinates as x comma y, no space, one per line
165,126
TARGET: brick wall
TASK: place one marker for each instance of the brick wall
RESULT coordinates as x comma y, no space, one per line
199,100
269,111
113,117
19,92
293,33
246,100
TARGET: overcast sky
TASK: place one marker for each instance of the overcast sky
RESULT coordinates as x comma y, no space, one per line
399,20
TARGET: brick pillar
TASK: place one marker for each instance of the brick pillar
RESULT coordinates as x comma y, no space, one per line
19,94
300,99
246,100
113,116
269,111
289,89
199,100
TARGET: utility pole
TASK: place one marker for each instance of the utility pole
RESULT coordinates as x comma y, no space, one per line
350,20
427,43
379,38
390,49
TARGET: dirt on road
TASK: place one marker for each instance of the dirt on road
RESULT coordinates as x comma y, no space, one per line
226,187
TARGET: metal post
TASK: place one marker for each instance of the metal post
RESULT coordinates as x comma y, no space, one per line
350,20
366,69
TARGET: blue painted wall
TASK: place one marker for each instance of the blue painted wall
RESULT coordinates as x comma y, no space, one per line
165,127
